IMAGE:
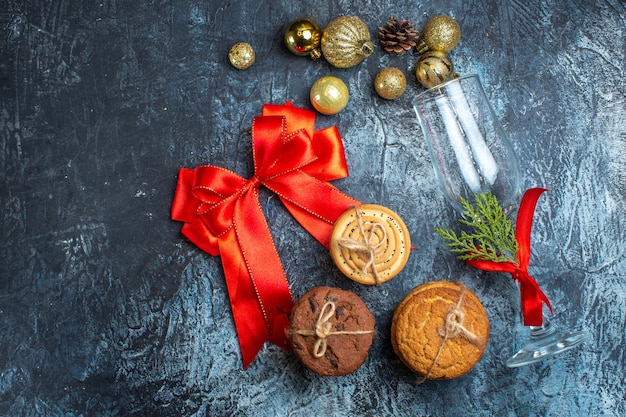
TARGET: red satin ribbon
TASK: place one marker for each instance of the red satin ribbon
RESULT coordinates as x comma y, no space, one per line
223,216
532,297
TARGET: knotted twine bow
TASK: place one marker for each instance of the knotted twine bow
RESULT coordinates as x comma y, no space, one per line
532,298
323,329
365,246
223,216
452,327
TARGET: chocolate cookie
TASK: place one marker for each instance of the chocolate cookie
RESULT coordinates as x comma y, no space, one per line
331,331
370,244
440,330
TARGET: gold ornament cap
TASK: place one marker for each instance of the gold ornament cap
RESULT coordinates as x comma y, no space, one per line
441,33
241,55
329,95
390,83
302,37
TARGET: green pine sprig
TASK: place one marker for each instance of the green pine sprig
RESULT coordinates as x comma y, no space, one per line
492,236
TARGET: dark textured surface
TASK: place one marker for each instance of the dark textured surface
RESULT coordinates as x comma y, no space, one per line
106,310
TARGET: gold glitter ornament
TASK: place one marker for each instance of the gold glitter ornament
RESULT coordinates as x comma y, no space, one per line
329,95
241,55
390,83
346,42
303,37
433,68
441,33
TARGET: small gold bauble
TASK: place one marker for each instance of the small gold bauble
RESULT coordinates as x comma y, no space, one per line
433,68
390,83
329,95
441,33
241,55
346,42
303,37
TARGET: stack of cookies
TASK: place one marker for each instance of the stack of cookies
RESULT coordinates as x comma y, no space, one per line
370,244
331,331
440,330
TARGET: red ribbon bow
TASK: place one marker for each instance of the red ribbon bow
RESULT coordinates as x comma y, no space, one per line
532,297
223,216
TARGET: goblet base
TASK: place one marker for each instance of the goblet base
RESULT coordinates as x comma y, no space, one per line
546,341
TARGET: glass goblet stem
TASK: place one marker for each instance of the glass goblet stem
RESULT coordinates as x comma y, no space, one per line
545,341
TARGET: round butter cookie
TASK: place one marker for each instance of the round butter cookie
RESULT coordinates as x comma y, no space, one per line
440,330
370,244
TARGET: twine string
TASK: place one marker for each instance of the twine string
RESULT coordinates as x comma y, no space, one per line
366,246
323,329
452,328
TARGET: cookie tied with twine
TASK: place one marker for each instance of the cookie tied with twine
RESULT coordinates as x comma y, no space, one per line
440,330
370,244
331,331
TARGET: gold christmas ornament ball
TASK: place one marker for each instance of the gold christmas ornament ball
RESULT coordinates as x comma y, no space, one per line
329,95
390,83
441,33
346,42
241,55
433,68
303,37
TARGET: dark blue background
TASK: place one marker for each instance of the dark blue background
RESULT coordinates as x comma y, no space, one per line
106,310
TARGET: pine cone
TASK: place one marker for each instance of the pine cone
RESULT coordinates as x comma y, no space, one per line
398,36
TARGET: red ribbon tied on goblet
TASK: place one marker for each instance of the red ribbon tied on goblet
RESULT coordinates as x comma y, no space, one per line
223,216
532,298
